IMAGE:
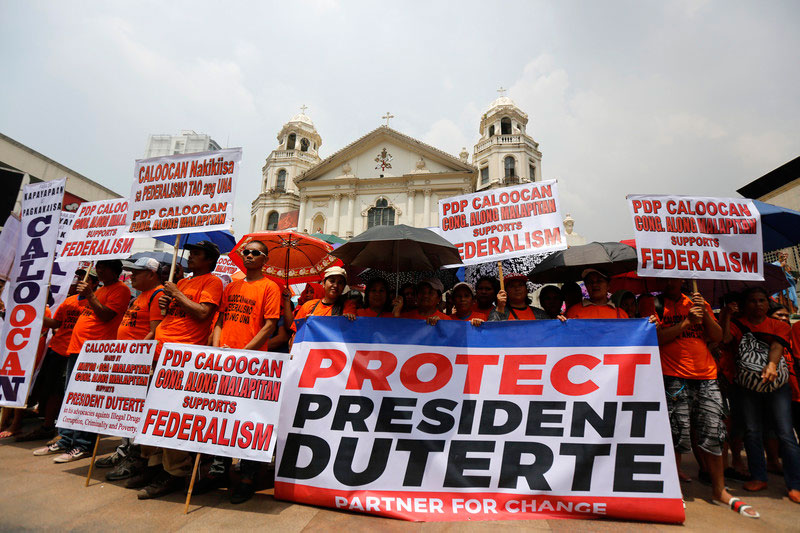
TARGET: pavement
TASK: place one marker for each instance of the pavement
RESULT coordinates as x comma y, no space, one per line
40,495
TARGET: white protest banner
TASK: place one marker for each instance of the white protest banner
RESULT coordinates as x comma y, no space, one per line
225,266
8,243
107,388
63,271
697,237
184,193
512,420
499,224
98,232
214,400
26,292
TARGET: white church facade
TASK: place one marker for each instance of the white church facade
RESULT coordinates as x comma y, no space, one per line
387,177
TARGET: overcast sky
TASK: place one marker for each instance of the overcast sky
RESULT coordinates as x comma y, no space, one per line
683,97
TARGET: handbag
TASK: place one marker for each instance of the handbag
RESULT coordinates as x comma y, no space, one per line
751,358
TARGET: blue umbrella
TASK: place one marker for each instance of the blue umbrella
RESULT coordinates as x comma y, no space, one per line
780,226
224,239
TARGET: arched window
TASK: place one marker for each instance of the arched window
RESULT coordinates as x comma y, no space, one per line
304,145
272,221
280,182
381,214
318,224
508,164
491,130
290,141
505,126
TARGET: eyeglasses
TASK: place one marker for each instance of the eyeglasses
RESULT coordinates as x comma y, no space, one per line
254,253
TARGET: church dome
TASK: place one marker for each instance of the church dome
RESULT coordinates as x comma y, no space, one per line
503,100
302,117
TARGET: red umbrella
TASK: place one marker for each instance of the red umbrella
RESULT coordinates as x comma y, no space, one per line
293,257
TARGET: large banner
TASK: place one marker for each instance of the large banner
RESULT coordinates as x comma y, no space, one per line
26,292
98,232
8,243
214,400
499,224
184,193
697,237
63,271
107,388
509,420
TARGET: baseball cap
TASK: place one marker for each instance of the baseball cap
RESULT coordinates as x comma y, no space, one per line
464,284
432,283
143,263
82,272
514,277
588,271
335,271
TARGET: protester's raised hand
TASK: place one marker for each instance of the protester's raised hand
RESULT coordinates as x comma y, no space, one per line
171,289
397,306
163,302
502,298
84,289
696,315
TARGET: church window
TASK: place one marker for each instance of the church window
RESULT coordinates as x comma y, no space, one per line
532,172
280,182
290,141
505,126
272,221
318,224
484,175
304,145
508,163
491,130
381,214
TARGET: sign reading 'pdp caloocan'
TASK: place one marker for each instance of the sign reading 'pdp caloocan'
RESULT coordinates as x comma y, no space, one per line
512,420
185,193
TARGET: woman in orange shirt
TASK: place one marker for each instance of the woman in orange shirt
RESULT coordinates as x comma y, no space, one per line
376,299
429,294
465,309
598,305
513,302
333,302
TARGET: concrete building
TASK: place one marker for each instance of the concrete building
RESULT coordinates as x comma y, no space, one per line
387,177
21,165
187,142
779,187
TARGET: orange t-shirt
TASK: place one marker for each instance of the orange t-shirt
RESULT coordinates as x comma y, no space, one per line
90,328
584,310
322,309
416,316
486,312
372,314
474,314
144,309
246,306
521,314
67,313
179,327
687,356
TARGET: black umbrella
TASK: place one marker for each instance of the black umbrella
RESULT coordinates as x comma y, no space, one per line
608,257
161,257
448,277
397,249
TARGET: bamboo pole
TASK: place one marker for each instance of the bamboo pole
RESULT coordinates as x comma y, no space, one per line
91,465
172,266
500,274
191,484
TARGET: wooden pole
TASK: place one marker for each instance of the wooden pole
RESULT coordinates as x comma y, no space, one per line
500,274
191,483
86,274
91,465
694,286
172,266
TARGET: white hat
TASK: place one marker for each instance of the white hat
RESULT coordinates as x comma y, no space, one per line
335,271
143,263
434,283
588,271
464,284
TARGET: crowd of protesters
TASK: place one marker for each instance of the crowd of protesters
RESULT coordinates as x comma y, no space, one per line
713,411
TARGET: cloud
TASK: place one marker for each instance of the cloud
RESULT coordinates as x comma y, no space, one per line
445,135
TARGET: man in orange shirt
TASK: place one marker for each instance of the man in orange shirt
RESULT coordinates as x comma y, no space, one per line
598,305
464,300
99,320
694,400
332,303
429,294
190,306
248,314
138,323
50,383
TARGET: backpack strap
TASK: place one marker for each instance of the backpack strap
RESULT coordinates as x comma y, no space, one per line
152,296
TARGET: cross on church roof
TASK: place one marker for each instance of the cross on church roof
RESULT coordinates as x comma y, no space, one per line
303,108
502,91
386,117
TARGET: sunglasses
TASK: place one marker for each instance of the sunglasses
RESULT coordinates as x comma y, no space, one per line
254,253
